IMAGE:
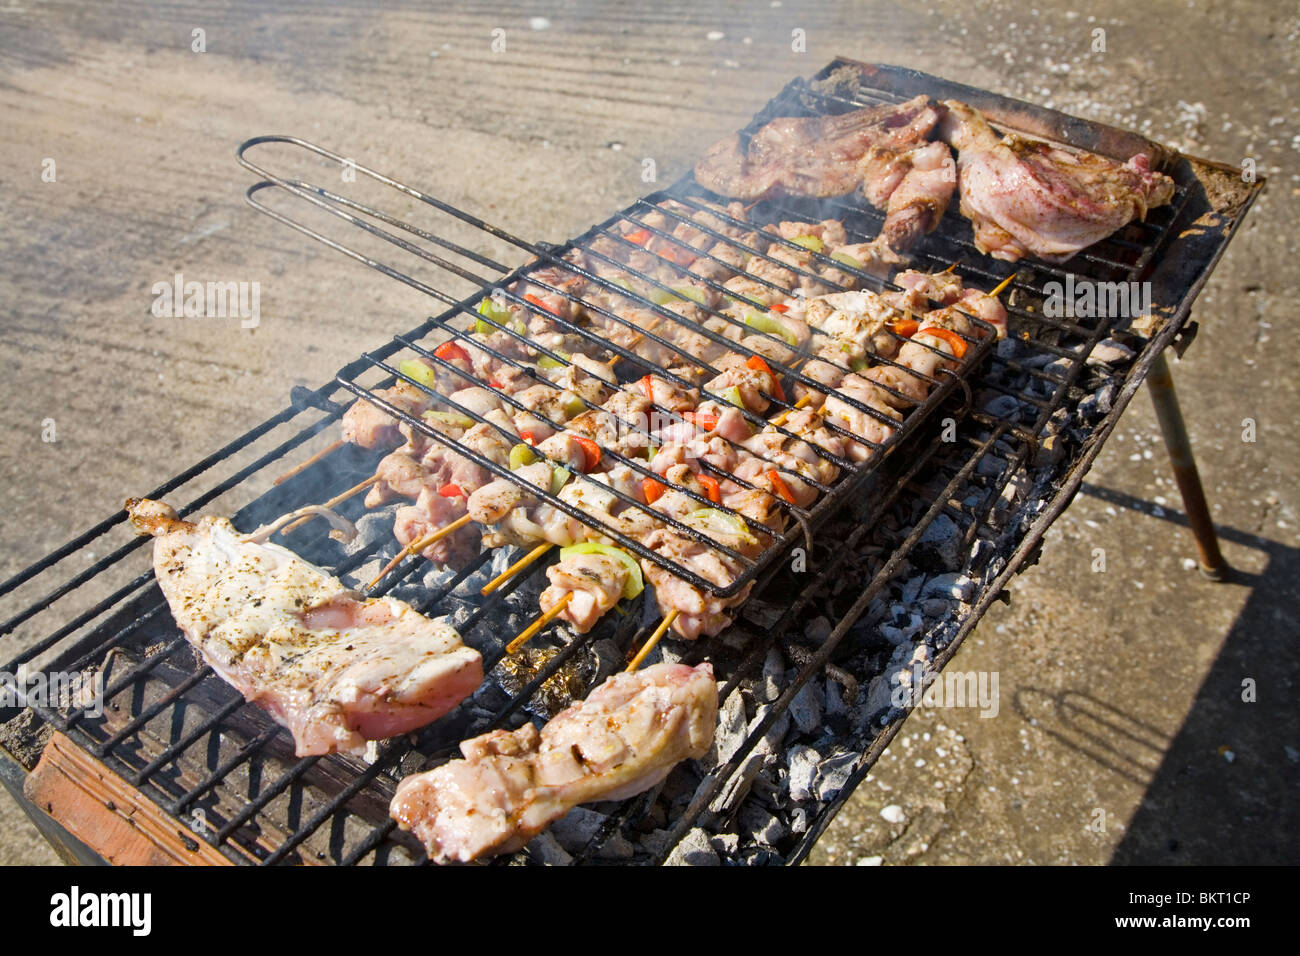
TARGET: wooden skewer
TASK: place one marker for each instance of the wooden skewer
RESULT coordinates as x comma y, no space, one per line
949,269
1001,285
327,450
334,502
515,568
528,633
654,640
802,403
415,547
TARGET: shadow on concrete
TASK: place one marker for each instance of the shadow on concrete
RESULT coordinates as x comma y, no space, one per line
1226,788
1109,737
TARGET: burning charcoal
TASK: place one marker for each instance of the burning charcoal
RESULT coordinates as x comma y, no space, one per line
803,771
1004,407
730,733
738,785
1060,367
833,774
806,708
576,828
558,691
760,856
941,544
765,827
818,630
547,851
1009,348
936,607
694,850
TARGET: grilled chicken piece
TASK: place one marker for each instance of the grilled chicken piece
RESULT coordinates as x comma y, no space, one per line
369,426
335,668
913,187
596,582
1029,198
812,156
698,612
430,512
623,739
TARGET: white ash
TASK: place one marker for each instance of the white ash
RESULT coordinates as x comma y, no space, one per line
806,708
738,786
833,774
1109,352
802,762
835,704
726,845
773,672
903,625
951,585
730,733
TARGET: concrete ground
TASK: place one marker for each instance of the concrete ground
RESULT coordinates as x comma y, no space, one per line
1122,735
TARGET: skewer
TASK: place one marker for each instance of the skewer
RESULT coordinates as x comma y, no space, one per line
528,633
802,403
324,452
515,568
1000,286
334,502
415,547
949,269
654,640
341,528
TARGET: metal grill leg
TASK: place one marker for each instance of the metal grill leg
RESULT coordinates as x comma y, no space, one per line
1161,385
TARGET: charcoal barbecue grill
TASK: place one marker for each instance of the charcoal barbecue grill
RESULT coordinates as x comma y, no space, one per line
178,768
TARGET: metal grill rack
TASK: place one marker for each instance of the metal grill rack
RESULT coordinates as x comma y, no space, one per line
191,745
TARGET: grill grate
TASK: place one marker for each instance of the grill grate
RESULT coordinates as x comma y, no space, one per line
187,740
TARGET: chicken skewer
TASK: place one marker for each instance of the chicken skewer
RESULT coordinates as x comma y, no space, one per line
539,550
748,385
928,351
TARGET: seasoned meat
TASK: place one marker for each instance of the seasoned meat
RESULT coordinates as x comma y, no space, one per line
1029,198
812,156
335,668
623,739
